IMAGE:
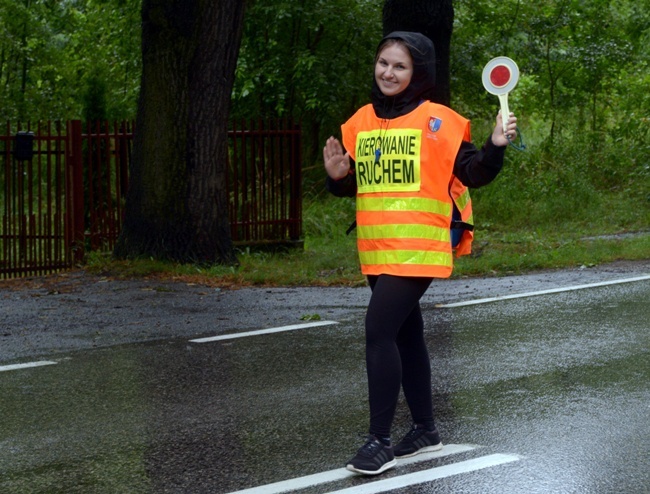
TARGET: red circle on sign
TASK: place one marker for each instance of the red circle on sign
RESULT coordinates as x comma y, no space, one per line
500,76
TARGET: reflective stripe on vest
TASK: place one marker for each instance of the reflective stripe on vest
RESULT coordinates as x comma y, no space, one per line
462,200
404,231
460,195
407,204
430,258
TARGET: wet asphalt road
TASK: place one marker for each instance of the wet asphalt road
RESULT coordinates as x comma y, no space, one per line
541,394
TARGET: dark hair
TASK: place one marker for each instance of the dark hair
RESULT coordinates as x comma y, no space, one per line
390,42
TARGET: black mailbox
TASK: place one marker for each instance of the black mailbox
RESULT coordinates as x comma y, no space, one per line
24,145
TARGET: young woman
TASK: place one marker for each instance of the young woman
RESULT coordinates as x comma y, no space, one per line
409,162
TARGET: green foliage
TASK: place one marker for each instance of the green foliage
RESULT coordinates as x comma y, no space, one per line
53,55
576,59
582,108
584,65
95,97
309,60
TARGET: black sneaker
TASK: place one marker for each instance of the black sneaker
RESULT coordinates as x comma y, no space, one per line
417,440
373,458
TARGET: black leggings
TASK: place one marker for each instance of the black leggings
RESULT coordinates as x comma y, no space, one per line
396,352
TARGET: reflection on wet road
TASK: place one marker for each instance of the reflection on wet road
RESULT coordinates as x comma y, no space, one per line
553,390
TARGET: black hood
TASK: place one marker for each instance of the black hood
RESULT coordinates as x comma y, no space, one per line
422,81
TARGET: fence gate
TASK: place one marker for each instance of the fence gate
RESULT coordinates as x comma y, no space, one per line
35,232
63,188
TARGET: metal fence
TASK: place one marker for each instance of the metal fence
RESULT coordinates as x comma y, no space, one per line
63,190
264,182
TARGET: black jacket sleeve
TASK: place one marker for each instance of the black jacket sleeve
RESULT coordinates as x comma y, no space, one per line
345,187
478,167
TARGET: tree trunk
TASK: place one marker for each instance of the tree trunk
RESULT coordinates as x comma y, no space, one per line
434,19
177,203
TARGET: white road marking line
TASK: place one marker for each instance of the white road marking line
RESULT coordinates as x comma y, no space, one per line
543,292
26,365
263,331
429,475
342,473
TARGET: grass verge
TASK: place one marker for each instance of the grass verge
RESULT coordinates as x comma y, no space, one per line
329,257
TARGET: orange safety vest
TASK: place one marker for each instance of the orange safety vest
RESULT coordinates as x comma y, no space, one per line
405,186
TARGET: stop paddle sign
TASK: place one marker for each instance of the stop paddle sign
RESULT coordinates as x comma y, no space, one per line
500,76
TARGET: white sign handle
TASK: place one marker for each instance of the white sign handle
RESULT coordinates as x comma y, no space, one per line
505,111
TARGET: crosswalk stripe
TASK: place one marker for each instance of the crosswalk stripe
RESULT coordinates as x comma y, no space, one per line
543,292
429,475
26,365
281,329
342,473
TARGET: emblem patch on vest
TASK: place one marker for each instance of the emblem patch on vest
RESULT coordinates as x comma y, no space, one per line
434,124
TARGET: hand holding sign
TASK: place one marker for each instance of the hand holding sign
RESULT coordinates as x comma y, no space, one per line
500,76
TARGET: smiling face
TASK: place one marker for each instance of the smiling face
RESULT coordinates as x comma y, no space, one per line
393,69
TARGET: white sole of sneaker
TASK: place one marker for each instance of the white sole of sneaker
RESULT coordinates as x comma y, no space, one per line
383,468
426,449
